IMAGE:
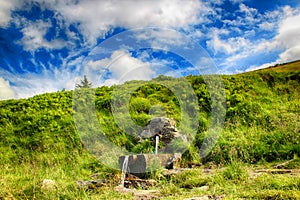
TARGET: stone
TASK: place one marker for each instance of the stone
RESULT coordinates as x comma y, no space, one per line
174,161
206,197
163,127
93,184
139,164
94,176
139,183
204,188
145,194
123,190
138,194
48,184
172,172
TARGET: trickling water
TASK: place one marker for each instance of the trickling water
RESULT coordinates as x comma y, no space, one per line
156,144
124,170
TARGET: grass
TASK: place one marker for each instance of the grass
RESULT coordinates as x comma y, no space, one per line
292,66
233,181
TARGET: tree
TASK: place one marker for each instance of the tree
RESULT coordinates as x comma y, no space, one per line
84,83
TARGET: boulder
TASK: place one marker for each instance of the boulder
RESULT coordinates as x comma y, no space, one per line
139,164
163,127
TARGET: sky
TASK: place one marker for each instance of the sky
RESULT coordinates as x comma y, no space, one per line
48,45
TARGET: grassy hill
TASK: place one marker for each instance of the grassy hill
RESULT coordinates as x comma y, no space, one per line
285,67
39,138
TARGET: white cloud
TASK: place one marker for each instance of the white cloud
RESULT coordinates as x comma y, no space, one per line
255,67
290,54
50,80
283,22
121,65
161,38
247,10
251,16
6,92
228,46
289,38
6,6
245,16
34,36
96,18
267,26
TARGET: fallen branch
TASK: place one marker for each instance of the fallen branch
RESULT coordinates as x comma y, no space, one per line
282,165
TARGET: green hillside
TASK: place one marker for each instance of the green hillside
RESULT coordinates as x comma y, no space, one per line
285,67
39,138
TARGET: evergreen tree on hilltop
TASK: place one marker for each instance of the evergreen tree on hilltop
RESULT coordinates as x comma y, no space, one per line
84,83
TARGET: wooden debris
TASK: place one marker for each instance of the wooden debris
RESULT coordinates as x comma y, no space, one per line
282,165
274,171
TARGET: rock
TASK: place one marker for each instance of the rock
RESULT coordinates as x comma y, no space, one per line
145,194
93,184
174,161
94,176
206,197
138,194
140,163
48,184
172,172
204,188
123,190
163,127
139,183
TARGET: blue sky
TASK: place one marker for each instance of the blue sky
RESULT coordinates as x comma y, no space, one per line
47,45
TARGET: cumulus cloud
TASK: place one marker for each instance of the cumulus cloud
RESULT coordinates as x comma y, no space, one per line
161,38
5,11
121,66
230,45
6,92
289,38
96,18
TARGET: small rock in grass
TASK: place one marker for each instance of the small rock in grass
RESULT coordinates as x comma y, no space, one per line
93,184
48,184
204,188
205,197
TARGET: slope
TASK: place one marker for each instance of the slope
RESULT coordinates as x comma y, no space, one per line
39,138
